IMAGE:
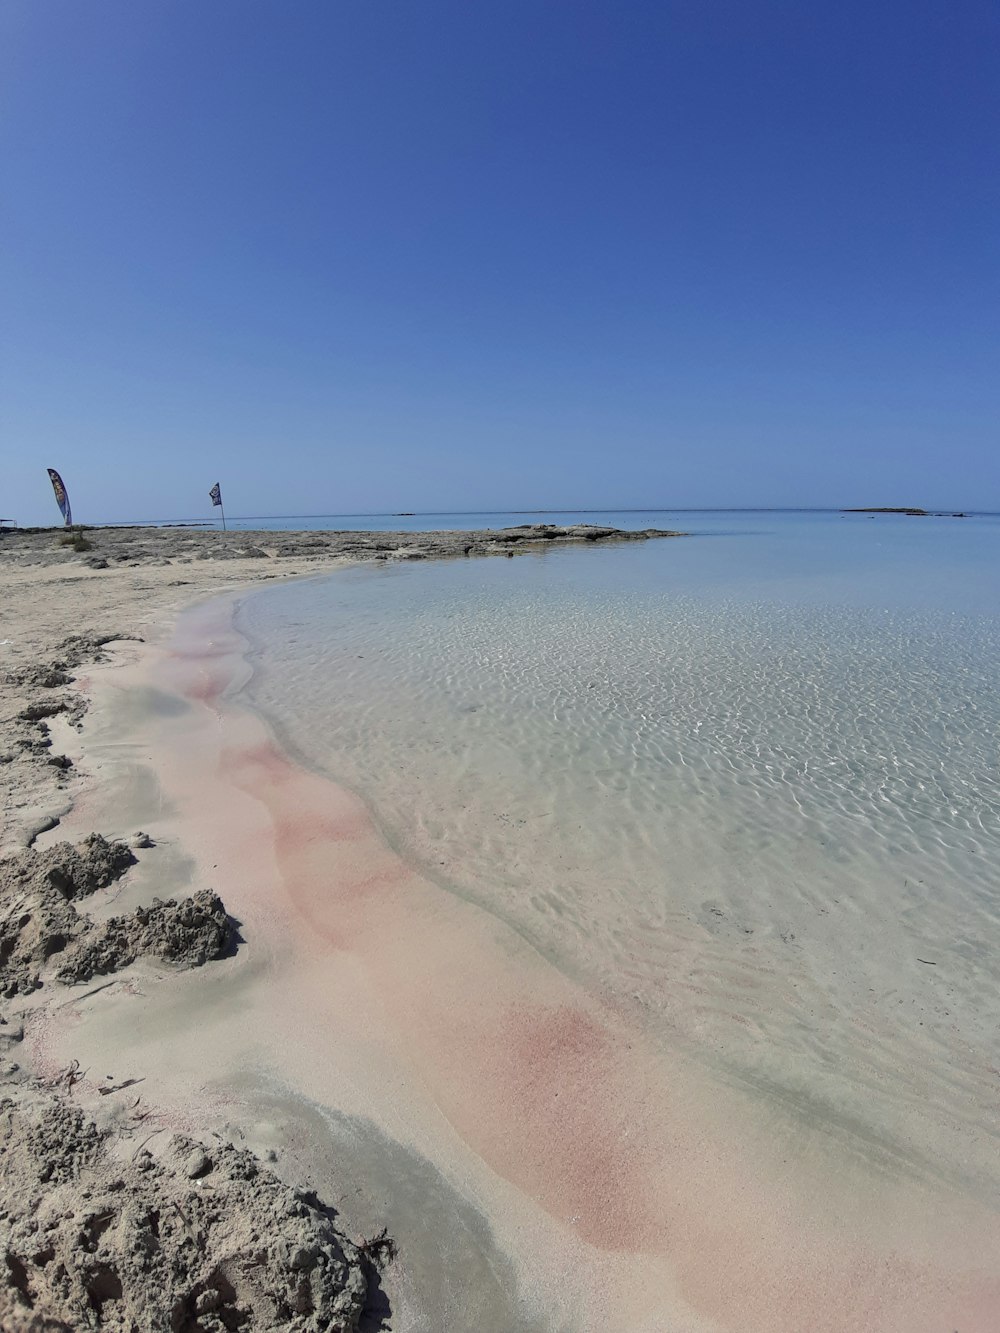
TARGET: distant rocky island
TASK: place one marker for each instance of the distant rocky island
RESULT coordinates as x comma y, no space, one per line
909,512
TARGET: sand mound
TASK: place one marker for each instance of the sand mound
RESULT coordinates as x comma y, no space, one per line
199,1241
37,916
78,871
38,919
190,933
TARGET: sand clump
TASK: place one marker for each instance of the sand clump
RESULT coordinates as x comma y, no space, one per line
39,919
195,1240
79,871
188,933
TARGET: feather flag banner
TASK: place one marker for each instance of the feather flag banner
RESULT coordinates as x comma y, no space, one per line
62,498
215,495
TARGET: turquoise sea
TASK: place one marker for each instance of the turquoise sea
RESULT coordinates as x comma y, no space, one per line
745,785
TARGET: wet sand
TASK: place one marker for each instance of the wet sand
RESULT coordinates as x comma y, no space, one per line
411,1058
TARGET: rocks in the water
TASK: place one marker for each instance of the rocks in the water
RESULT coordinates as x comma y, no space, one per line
190,933
91,1241
908,511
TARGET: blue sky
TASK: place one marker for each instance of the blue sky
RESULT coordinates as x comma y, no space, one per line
368,255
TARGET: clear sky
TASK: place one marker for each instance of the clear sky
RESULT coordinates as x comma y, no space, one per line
369,255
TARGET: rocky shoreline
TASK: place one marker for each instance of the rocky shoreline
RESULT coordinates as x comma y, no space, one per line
103,548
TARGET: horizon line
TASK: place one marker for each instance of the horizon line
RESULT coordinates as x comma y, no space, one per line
492,513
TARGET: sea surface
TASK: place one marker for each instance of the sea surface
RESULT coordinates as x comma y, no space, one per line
744,785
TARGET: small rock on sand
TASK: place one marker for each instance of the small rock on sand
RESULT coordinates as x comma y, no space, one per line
198,1163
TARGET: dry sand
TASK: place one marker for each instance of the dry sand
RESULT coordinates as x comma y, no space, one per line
400,1052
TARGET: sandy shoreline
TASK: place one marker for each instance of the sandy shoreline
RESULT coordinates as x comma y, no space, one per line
406,1056
65,609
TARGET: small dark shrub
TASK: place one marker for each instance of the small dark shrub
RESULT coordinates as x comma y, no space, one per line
77,540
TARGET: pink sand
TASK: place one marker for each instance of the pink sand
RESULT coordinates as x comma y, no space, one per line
628,1189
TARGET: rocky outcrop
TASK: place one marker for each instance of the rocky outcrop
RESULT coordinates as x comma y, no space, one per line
180,545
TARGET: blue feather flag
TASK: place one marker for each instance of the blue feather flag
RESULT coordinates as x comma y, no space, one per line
62,498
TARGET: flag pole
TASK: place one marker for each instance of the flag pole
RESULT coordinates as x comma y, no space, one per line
223,511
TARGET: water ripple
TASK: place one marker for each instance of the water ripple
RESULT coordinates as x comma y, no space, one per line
745,821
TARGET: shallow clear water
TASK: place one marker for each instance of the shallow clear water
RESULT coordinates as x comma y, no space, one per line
746,785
